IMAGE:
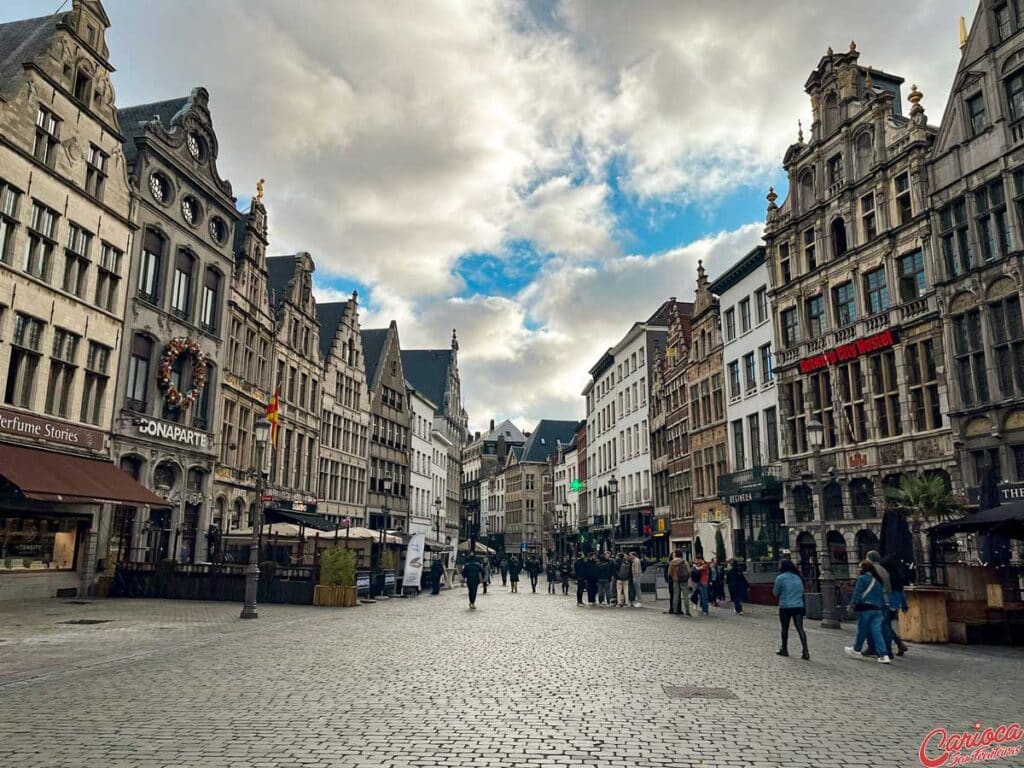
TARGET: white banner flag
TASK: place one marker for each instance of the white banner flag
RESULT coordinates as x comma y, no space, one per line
414,560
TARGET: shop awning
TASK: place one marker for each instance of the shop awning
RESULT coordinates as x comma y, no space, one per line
305,519
61,477
1006,519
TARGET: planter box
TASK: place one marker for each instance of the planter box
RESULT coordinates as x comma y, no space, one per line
335,597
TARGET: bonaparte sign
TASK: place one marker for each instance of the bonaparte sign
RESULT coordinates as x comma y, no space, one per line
175,432
49,430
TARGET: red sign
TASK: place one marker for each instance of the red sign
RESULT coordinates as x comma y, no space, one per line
267,498
850,351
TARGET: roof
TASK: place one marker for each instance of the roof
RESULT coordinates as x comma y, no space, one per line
23,41
330,317
280,271
427,371
738,271
546,437
516,435
373,347
132,119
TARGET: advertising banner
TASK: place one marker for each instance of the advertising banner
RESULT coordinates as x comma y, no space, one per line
414,560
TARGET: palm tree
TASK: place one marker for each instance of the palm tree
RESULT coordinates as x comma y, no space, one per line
920,499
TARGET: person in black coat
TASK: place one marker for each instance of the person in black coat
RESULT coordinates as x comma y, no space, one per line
580,571
513,573
472,572
435,576
504,571
565,572
738,586
533,568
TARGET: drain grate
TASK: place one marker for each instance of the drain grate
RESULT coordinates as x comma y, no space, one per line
695,692
77,602
86,621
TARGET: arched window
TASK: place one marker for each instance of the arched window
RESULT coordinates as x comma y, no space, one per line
806,189
201,407
137,388
210,304
808,549
151,266
181,285
866,542
803,510
833,497
236,515
837,552
861,498
831,116
839,246
864,150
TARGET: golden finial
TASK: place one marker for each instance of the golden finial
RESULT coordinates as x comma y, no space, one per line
259,190
853,46
915,95
963,33
868,81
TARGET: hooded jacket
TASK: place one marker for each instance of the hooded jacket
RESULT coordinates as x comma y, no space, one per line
677,570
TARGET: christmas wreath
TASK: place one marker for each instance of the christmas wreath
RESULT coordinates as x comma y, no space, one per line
174,349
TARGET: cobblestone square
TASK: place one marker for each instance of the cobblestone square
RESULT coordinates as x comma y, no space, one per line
525,680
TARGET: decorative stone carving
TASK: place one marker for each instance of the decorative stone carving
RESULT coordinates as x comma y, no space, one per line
978,427
890,454
1015,420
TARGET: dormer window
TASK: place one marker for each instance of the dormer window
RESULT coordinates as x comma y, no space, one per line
90,34
83,88
835,170
831,112
976,114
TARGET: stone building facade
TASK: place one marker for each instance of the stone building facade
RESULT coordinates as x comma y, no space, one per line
857,332
675,406
345,418
168,414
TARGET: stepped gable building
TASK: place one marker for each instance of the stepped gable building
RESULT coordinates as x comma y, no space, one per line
345,420
435,374
246,380
65,253
299,373
857,335
675,406
168,416
390,422
976,179
708,441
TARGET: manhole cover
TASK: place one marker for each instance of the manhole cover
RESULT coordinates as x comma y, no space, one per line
77,602
86,621
695,692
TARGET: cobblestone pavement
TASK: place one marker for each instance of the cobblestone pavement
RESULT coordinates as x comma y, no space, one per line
525,680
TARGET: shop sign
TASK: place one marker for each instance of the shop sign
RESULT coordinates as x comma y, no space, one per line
846,352
175,432
62,433
1007,492
749,484
661,526
739,498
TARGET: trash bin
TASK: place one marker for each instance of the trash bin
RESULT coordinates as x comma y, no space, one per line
812,604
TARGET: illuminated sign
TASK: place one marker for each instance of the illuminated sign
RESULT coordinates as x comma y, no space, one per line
851,351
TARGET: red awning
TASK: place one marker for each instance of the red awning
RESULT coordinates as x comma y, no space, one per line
48,476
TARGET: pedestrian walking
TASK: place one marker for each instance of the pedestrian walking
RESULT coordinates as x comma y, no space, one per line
789,588
623,576
637,571
592,580
436,569
738,586
565,573
701,576
883,576
677,578
552,573
486,574
604,580
868,602
714,581
580,572
472,573
533,568
504,571
513,574
897,602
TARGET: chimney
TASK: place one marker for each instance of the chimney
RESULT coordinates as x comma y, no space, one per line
477,437
492,425
500,448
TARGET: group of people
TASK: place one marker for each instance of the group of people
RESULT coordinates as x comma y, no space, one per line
706,582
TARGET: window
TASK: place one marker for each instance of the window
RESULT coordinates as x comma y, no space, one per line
834,168
767,373
876,295
1002,13
734,379
809,258
912,281
40,246
138,373
923,384
21,370
719,399
970,357
785,270
749,371
97,362
993,223
815,316
151,266
839,246
76,260
201,408
9,197
790,326
737,443
771,428
754,430
108,276
744,315
886,394
62,371
83,88
867,217
210,301
904,208
793,397
1008,344
976,114
47,137
96,172
864,151
181,290
730,324
851,394
761,301
844,304
1015,95
819,387
956,248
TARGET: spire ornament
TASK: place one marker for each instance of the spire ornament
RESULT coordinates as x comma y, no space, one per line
917,116
963,33
853,46
799,132
259,190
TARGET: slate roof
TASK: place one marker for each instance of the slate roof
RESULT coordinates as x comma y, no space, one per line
500,429
330,317
23,41
427,371
544,440
131,119
373,347
280,271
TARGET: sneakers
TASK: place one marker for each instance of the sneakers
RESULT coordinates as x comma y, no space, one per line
852,653
884,660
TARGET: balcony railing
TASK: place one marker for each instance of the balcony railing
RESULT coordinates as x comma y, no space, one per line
138,406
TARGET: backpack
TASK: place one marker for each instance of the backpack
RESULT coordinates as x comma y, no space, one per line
695,575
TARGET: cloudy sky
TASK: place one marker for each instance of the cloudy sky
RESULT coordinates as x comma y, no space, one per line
537,175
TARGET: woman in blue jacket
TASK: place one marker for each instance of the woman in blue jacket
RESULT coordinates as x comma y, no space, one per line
789,588
869,603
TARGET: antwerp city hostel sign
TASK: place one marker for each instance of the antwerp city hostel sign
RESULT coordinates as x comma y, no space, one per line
846,352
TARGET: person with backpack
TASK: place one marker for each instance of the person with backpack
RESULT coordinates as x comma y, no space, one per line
789,588
514,568
472,573
868,602
677,578
738,586
565,572
623,577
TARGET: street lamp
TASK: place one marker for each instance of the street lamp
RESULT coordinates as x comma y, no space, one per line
829,616
252,573
613,489
560,530
385,485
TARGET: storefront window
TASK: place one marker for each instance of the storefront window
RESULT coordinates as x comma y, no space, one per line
38,543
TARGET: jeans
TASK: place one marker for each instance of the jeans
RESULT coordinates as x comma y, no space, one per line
636,584
622,592
565,584
533,581
869,624
581,585
737,604
703,591
504,577
675,604
473,586
551,586
604,592
797,615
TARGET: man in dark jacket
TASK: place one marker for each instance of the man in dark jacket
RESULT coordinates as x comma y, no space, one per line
738,586
513,573
504,571
580,572
435,575
472,572
565,572
533,568
592,580
604,580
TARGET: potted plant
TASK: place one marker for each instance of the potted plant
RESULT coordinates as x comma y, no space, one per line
337,585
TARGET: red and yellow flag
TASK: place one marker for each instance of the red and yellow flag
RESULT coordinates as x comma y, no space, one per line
274,415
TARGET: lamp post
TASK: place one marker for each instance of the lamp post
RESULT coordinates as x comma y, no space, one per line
437,519
252,573
560,529
613,489
385,491
829,617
